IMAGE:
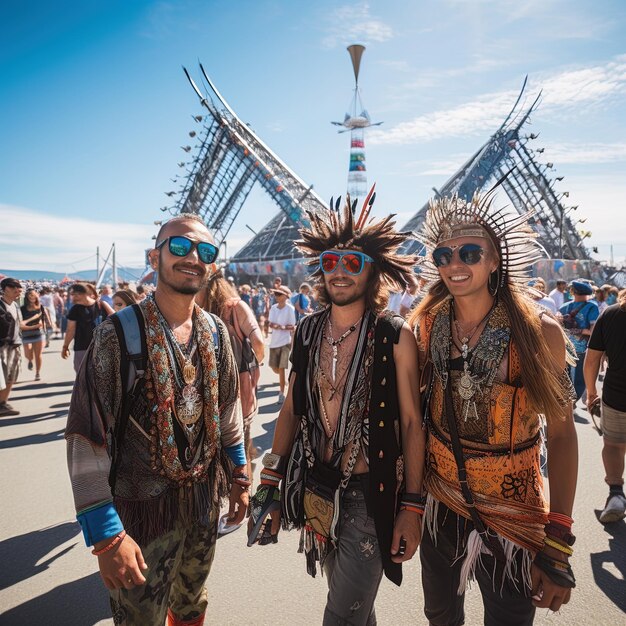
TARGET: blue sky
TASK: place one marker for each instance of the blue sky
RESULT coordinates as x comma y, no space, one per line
94,106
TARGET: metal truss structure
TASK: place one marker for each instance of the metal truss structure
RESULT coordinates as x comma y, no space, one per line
507,156
230,159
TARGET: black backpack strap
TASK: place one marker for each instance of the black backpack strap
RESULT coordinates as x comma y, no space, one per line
130,329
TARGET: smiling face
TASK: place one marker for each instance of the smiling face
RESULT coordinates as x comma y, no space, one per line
462,279
344,288
188,274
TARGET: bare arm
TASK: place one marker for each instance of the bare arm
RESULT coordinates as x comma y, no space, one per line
107,307
255,336
408,524
69,337
562,473
591,368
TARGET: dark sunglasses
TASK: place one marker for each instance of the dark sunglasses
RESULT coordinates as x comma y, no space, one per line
353,262
182,246
470,254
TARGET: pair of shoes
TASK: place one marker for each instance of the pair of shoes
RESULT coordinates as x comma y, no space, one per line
30,365
614,510
37,376
281,398
6,410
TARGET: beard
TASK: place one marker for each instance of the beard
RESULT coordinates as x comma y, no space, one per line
187,289
345,299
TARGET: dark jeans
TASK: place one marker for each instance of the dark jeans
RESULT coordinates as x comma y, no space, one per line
577,376
354,567
441,572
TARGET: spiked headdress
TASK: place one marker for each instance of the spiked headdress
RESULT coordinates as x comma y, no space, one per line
339,229
510,233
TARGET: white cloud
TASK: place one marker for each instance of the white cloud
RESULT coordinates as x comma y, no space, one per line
33,240
354,23
562,153
570,91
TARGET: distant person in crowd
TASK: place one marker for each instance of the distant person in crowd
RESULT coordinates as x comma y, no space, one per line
599,296
558,293
47,301
141,293
149,505
612,294
244,293
59,307
221,299
10,340
302,301
106,295
578,318
609,338
123,298
260,306
282,320
540,297
393,303
86,313
407,302
35,322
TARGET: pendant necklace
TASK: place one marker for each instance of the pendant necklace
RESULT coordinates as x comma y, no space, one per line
335,343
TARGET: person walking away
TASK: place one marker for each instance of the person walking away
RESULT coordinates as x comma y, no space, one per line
221,299
608,338
35,322
59,308
106,295
86,313
282,321
558,294
492,366
45,297
578,318
10,341
349,434
148,468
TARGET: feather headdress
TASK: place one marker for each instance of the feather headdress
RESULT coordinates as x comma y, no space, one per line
338,229
450,216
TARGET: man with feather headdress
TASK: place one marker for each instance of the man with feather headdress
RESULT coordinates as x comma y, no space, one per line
348,450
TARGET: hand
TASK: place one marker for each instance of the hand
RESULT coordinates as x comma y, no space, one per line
238,504
591,398
65,352
121,566
546,593
407,533
264,500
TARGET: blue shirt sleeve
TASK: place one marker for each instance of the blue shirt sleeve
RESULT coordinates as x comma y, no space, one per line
100,522
236,453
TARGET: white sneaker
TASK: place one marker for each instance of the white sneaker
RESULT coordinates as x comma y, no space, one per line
614,510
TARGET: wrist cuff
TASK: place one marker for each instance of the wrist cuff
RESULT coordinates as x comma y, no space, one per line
99,522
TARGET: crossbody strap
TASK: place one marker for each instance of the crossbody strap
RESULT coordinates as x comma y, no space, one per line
489,540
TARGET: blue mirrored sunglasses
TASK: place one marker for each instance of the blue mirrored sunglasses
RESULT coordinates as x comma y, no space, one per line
353,262
470,254
182,246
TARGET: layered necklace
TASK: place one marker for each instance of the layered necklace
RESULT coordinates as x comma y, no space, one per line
335,343
189,409
468,383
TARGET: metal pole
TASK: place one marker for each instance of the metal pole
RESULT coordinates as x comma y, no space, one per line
97,262
561,234
114,270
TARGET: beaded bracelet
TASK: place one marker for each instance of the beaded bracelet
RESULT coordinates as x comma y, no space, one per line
243,480
270,477
412,507
415,498
556,531
561,519
118,539
558,546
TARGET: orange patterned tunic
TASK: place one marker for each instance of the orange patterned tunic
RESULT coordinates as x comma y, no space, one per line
501,440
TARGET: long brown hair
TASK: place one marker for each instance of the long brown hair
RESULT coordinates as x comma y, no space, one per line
217,292
538,377
27,302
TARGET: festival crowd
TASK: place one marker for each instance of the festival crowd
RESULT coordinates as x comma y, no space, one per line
414,398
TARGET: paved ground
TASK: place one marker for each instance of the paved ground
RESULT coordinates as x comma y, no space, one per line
49,578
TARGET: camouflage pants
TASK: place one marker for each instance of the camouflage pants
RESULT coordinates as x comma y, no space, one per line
178,566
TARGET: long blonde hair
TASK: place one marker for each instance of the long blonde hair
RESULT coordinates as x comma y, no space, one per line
540,381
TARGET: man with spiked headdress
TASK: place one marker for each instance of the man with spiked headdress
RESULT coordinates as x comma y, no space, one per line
349,435
491,365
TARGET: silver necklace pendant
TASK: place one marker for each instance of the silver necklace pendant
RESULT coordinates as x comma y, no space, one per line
467,386
334,364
